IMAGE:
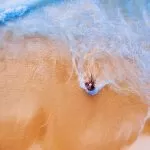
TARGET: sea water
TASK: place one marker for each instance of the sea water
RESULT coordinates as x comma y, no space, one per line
114,27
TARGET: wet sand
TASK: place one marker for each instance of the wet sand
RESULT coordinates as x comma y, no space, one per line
42,106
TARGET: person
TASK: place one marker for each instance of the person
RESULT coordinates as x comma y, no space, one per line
90,84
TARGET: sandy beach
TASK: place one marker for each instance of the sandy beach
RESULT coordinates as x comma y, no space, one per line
42,106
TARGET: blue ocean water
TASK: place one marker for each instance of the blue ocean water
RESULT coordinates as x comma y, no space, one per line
10,11
18,9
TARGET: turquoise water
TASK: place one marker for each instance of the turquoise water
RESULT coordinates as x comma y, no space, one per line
10,11
119,27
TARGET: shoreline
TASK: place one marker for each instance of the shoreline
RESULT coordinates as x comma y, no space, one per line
42,103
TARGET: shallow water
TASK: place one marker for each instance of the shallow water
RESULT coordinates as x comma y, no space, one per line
112,28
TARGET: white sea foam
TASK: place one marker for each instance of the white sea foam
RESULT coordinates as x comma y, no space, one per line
111,28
